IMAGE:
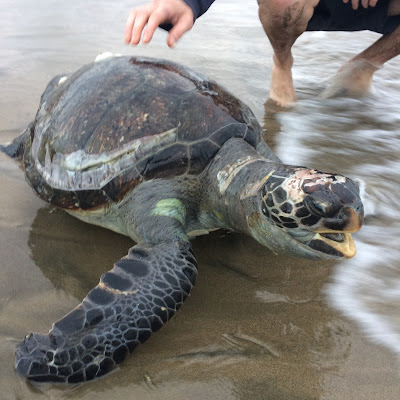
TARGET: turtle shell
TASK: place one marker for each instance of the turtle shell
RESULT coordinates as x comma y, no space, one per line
120,121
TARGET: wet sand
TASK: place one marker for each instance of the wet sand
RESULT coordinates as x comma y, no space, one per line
257,325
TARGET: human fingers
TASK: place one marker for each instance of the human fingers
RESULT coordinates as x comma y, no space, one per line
372,3
365,3
354,4
136,21
184,23
129,25
140,22
156,18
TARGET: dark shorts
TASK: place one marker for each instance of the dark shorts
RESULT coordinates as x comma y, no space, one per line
334,15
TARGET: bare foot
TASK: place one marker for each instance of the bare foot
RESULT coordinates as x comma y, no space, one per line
282,90
352,80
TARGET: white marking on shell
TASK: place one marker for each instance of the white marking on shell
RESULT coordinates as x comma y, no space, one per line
79,169
226,175
107,54
62,80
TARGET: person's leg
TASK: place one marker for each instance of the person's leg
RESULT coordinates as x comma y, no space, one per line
354,78
383,50
284,21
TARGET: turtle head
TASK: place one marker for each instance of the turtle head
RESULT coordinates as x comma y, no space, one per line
306,212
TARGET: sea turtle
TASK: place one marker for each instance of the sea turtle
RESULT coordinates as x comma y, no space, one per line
153,150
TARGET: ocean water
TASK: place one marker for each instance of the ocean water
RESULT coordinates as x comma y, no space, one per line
366,288
258,325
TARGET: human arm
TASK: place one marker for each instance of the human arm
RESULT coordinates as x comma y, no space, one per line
179,14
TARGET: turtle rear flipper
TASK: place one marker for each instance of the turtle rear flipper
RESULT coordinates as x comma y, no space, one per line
134,299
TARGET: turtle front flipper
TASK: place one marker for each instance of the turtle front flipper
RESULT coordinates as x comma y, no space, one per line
16,148
134,299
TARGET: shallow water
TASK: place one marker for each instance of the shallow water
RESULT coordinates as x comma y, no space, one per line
257,325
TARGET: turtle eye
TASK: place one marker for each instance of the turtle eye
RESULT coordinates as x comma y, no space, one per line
264,210
322,203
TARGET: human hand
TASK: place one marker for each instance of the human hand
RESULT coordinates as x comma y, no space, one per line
365,3
175,12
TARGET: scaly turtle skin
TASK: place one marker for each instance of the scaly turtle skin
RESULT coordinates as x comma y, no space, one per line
160,153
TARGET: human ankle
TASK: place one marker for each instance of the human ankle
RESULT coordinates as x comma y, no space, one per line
284,62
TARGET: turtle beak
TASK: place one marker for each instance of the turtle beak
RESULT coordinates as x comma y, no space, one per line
349,220
338,244
339,241
355,218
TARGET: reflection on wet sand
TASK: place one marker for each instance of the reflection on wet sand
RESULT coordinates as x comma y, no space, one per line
56,241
